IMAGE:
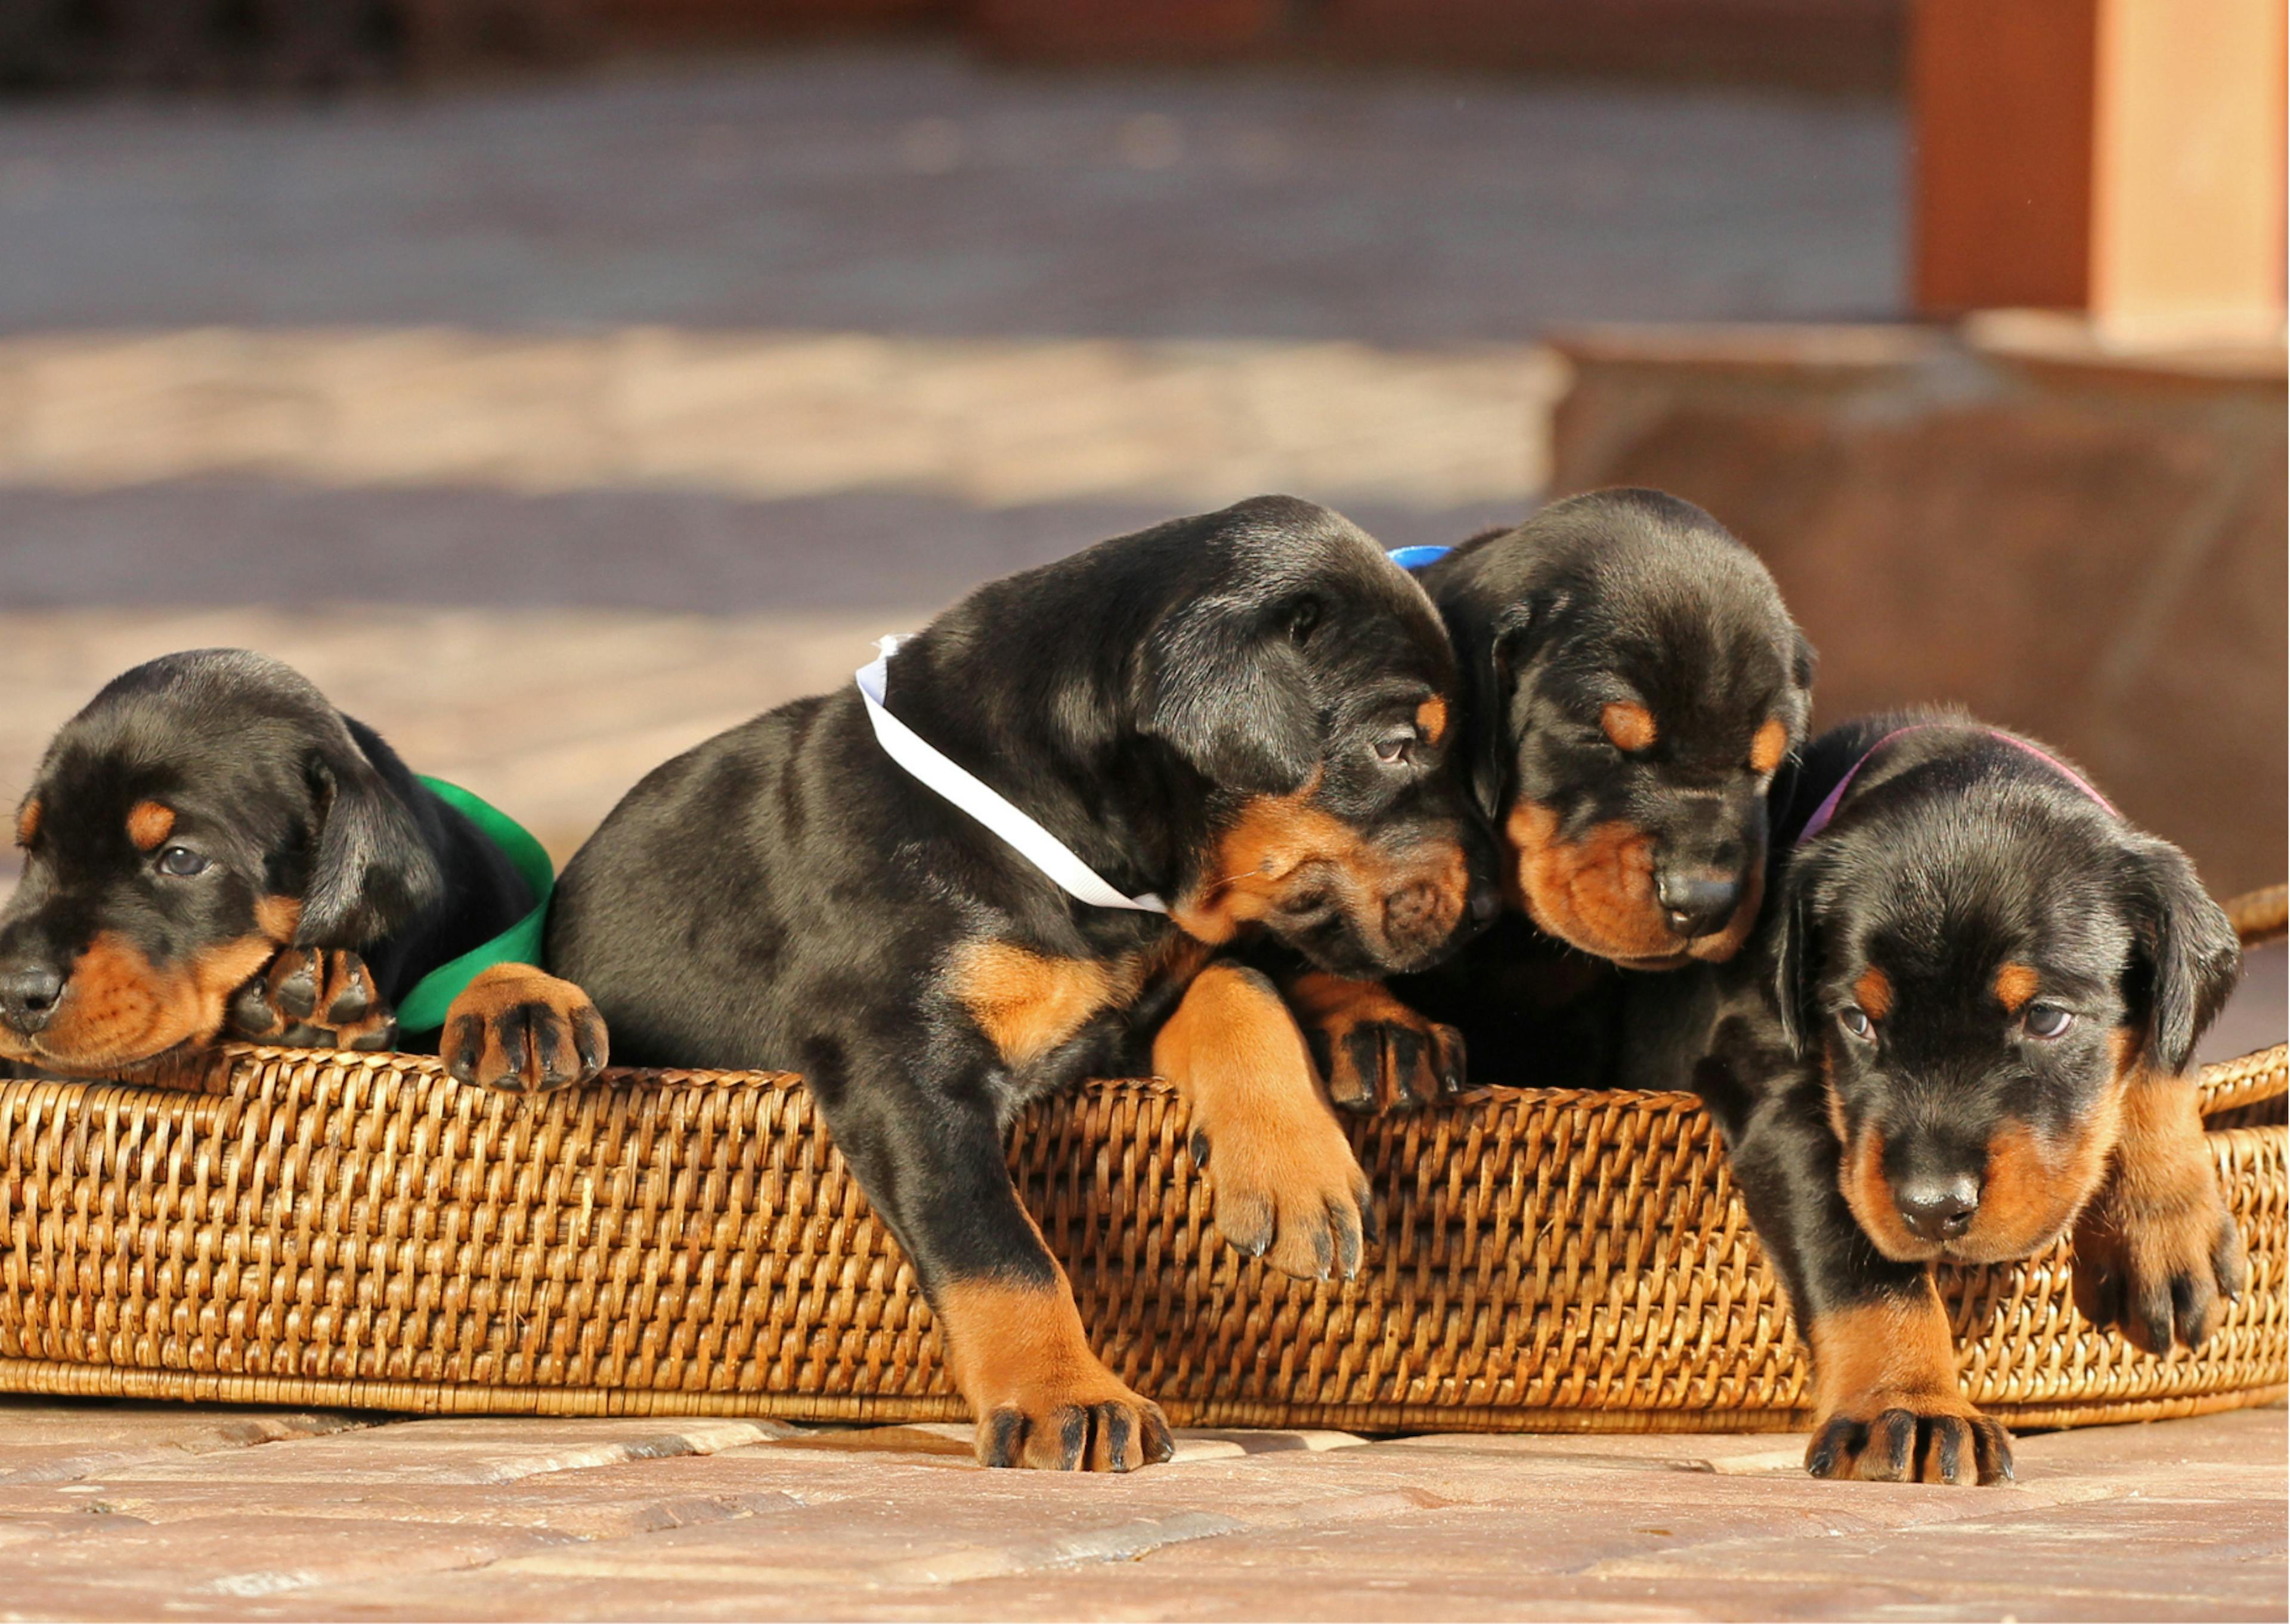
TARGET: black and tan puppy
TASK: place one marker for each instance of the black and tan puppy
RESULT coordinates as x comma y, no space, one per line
209,845
1633,682
1963,1029
1245,713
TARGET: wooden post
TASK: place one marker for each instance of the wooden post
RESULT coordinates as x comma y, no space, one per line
2122,158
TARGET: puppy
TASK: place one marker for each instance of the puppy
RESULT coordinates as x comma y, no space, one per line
1633,684
210,843
1247,714
1962,1030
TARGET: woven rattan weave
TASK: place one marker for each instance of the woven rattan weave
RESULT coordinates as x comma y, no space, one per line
323,1228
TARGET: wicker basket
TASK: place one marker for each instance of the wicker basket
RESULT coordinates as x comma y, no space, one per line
291,1226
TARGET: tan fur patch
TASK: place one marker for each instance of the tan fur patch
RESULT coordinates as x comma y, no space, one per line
1278,1158
118,1009
1874,993
27,823
1597,893
1768,746
2016,984
277,917
1027,1003
1872,1356
1281,847
548,1055
1630,726
1013,1346
149,823
1339,1006
1431,717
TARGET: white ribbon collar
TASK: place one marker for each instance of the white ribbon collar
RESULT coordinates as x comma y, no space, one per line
1020,832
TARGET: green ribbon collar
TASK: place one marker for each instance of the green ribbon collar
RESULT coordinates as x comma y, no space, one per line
423,1010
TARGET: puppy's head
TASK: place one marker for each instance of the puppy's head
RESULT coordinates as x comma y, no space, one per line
1981,957
1306,683
1635,684
205,809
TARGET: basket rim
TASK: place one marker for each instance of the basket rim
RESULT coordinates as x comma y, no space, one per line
2258,916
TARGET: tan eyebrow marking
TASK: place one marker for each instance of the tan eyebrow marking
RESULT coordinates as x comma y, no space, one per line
1630,726
1431,716
1769,746
1874,989
27,823
2016,984
149,823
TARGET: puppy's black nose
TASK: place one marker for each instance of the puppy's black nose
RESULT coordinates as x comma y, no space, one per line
1485,902
1938,1210
29,996
1696,902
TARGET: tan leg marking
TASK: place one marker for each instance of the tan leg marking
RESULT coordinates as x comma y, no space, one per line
523,1031
2158,1253
313,999
1889,1407
1376,1053
1042,1399
1285,1183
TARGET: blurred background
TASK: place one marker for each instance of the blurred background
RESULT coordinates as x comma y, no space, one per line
560,382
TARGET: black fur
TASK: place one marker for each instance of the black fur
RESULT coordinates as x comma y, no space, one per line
786,895
1617,595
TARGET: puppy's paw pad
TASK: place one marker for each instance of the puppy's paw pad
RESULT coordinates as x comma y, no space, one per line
521,1031
1909,1439
1289,1191
2163,1280
313,998
1055,1430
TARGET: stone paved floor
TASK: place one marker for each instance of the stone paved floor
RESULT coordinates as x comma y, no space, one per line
668,335
135,1511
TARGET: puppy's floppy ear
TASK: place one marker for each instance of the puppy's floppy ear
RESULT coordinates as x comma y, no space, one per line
1506,639
1796,952
373,872
1225,683
2185,960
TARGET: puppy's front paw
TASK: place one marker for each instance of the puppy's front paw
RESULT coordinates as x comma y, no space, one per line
1909,1437
1375,1052
1286,1187
313,998
2160,1277
523,1031
1087,1427
2157,1253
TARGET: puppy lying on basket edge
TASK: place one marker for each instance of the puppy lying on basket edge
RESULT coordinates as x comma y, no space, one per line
1961,1030
211,849
1234,721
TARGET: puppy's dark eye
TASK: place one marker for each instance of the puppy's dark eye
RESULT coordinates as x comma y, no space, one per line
1856,1021
181,861
2047,1020
1398,749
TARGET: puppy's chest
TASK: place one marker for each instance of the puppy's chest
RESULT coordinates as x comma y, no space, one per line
1038,1008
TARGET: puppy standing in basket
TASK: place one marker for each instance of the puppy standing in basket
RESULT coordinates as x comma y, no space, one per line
1228,722
1633,685
1962,1029
211,849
